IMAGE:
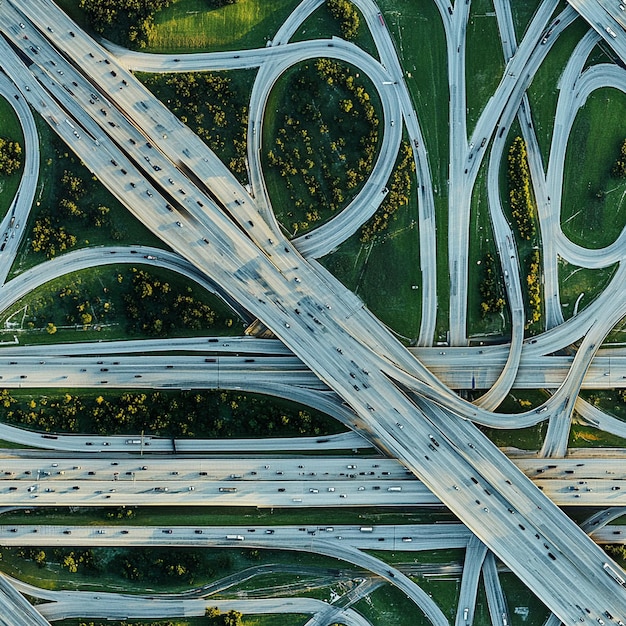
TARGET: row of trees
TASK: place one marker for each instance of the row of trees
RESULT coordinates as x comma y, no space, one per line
491,290
533,280
347,16
398,196
184,413
619,168
132,20
319,168
10,156
213,106
520,194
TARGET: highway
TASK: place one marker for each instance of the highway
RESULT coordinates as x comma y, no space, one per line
186,196
296,327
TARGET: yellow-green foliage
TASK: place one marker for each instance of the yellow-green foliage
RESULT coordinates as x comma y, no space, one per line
534,288
399,193
520,195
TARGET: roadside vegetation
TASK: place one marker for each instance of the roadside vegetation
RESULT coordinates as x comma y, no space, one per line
619,167
491,290
399,191
10,156
214,106
120,301
322,148
11,132
522,208
201,413
321,24
127,21
347,16
364,268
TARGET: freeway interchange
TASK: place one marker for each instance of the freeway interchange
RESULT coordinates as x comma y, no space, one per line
334,351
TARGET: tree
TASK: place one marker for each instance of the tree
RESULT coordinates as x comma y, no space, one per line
347,16
51,328
10,156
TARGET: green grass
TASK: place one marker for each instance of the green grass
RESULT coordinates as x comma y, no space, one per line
185,621
607,400
214,564
9,129
200,413
100,286
574,281
321,25
191,26
594,204
543,91
618,334
484,59
481,242
519,600
420,42
587,437
522,14
530,438
55,159
365,269
388,606
234,516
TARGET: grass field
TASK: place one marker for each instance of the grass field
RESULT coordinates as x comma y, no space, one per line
321,24
543,91
235,516
481,242
388,606
587,437
575,282
102,284
9,129
383,272
420,42
524,607
593,210
484,59
214,563
522,14
191,25
524,438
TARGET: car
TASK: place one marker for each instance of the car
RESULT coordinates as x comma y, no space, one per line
179,224
22,25
124,532
198,531
167,531
67,532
